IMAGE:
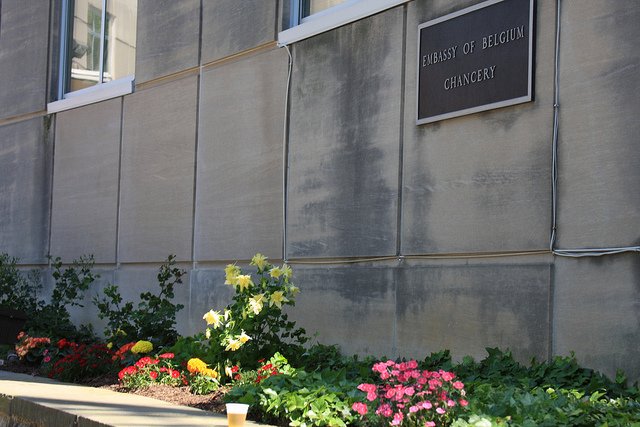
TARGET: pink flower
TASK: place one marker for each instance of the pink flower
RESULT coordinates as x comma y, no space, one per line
451,403
360,408
47,359
384,410
368,388
440,411
371,396
458,385
448,376
426,404
412,364
414,408
397,419
463,402
429,424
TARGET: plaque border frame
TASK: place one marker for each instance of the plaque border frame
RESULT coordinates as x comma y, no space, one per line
484,107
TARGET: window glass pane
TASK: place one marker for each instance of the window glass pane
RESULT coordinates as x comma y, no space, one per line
309,7
88,43
84,45
120,39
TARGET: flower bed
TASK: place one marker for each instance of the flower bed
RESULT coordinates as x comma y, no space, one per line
250,352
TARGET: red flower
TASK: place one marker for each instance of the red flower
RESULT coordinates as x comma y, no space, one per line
176,374
153,375
167,356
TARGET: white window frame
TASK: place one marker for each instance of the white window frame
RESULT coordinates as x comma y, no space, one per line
99,92
333,17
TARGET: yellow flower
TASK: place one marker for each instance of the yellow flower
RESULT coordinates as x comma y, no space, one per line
207,333
233,345
196,365
243,281
256,303
213,318
142,347
275,272
243,338
259,261
286,271
231,273
277,298
209,373
294,290
109,345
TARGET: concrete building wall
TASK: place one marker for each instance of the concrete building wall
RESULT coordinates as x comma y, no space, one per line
449,222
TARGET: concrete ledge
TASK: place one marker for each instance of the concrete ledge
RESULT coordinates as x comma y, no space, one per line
27,401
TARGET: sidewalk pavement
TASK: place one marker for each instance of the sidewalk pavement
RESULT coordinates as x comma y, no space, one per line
34,401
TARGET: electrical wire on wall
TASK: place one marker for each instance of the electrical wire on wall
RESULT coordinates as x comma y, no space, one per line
285,155
574,253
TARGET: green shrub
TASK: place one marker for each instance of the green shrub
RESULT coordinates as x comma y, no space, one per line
321,398
53,319
17,291
253,326
154,319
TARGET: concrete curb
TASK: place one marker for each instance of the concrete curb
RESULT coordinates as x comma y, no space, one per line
27,401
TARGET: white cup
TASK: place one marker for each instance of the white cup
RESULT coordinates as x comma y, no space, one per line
236,414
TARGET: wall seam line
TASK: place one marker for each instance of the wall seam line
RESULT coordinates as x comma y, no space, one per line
119,190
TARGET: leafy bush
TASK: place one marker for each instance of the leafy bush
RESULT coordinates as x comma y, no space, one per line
253,326
53,319
560,392
302,398
17,291
154,319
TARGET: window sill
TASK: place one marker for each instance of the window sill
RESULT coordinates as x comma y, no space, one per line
341,16
102,92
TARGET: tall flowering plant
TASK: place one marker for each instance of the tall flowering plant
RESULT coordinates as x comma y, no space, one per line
254,326
408,396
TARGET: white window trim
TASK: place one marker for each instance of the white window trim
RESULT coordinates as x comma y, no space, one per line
93,94
335,17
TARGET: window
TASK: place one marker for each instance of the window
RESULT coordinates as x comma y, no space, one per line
312,8
311,17
97,51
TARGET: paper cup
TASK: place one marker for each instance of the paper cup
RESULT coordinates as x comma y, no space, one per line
236,414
